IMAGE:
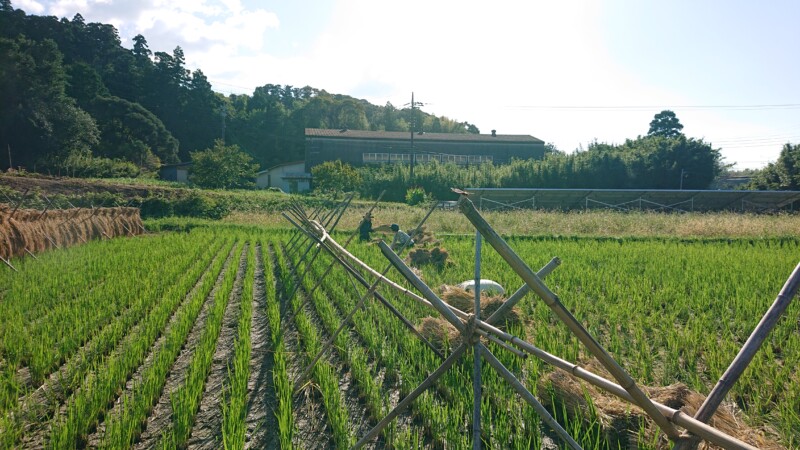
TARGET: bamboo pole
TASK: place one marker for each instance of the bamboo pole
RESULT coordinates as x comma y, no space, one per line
377,295
321,279
496,335
422,287
8,263
521,292
746,354
527,396
678,417
483,327
329,343
476,352
21,201
412,396
551,299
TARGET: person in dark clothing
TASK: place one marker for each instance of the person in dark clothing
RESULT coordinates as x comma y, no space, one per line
365,228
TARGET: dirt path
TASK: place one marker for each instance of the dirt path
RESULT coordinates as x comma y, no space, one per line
261,402
160,419
207,429
95,439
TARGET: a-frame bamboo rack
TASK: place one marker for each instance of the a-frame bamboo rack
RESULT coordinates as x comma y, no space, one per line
684,430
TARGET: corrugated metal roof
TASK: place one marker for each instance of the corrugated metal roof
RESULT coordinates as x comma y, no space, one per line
405,135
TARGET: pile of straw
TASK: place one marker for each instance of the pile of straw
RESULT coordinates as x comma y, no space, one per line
621,423
444,336
32,231
436,256
422,236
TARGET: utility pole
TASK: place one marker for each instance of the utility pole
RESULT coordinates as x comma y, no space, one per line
683,175
9,157
413,126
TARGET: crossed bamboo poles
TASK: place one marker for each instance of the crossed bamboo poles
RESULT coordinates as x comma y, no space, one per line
472,329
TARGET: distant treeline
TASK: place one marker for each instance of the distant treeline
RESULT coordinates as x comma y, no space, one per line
74,101
649,162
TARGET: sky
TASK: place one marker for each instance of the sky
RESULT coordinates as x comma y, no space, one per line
568,72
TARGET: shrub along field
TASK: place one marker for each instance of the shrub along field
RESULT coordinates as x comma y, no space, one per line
198,338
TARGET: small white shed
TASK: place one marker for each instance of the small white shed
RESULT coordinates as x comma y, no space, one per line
289,177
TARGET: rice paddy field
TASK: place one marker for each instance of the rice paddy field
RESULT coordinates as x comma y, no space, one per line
203,337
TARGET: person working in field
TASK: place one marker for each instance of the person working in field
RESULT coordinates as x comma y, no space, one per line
366,228
401,239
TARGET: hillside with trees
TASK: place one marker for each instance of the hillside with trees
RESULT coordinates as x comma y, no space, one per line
74,101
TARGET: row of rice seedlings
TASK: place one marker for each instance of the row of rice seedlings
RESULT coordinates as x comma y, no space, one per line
326,378
124,425
101,386
235,408
404,358
47,344
109,336
352,352
186,400
87,357
34,295
280,373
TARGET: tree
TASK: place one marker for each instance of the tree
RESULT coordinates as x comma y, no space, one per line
665,124
782,175
222,167
335,176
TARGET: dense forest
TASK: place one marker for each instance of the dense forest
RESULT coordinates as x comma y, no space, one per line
74,101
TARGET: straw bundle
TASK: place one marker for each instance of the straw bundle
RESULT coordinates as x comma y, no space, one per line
34,231
436,256
440,333
422,236
465,301
621,422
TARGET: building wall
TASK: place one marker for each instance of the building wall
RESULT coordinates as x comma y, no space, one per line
288,178
352,151
174,173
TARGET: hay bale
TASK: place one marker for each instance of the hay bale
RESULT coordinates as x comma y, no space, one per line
621,422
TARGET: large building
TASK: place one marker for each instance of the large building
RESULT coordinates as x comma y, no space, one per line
359,148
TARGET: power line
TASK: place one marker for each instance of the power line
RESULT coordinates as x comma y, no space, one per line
652,107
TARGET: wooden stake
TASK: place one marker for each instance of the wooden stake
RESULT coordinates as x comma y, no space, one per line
8,263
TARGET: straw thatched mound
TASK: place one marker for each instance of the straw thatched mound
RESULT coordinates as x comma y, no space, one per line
34,231
621,423
465,301
444,336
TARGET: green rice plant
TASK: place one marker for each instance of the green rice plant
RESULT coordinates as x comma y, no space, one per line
124,425
280,375
186,399
102,385
235,408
